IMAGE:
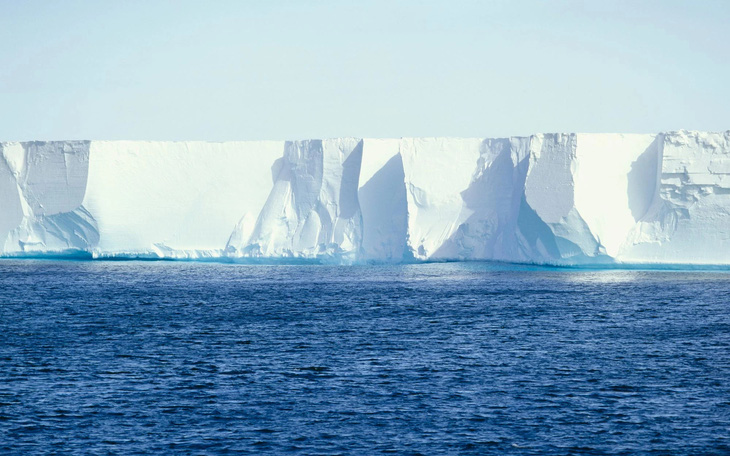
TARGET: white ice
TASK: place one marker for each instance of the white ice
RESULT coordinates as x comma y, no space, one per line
547,198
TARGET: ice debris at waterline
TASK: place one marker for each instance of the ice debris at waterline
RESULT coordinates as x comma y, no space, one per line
547,198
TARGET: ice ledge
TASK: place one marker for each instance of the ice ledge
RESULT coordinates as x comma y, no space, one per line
557,199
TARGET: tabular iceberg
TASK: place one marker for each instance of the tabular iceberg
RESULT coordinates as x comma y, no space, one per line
564,199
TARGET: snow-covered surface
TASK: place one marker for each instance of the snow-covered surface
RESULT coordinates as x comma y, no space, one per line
549,198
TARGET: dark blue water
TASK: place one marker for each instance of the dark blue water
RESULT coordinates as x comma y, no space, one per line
185,358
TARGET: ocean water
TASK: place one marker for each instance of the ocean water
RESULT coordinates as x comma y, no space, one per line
134,358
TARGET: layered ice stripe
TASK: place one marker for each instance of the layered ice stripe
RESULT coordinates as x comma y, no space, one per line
547,198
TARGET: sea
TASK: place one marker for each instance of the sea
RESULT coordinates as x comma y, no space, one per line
188,358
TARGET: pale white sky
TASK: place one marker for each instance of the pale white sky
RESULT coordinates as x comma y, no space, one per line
226,70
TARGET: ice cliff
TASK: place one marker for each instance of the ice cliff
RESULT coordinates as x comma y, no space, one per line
547,198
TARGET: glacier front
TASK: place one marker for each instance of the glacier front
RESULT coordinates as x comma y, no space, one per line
563,199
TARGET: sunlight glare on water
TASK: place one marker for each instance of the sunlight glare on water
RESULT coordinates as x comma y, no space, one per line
455,358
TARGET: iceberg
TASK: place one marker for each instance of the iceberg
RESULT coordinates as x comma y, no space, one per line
560,199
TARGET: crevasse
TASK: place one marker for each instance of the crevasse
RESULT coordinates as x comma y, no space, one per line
548,198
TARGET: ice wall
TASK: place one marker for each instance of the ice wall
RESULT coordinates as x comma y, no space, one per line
383,203
42,186
684,215
547,198
313,208
175,199
437,171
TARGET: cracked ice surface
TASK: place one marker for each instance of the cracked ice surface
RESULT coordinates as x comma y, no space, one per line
546,198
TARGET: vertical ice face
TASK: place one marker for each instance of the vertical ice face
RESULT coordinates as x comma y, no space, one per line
688,218
546,198
487,226
176,199
555,198
54,176
436,171
615,178
12,158
589,189
382,197
550,196
50,180
312,210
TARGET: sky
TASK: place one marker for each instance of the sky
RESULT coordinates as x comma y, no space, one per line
279,69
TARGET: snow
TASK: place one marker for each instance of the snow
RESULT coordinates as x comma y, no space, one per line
42,185
437,171
491,205
611,195
313,209
688,219
175,199
570,199
11,208
382,198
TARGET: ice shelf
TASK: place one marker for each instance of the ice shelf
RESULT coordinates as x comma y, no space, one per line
565,199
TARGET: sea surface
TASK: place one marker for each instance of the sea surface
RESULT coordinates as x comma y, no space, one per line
104,357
